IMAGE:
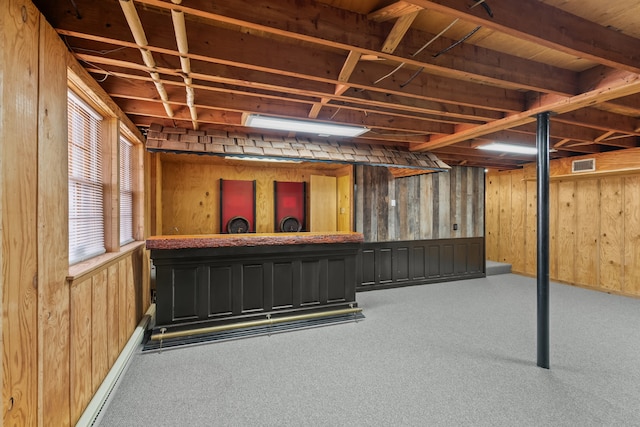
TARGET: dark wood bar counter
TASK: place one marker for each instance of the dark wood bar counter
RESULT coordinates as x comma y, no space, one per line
218,279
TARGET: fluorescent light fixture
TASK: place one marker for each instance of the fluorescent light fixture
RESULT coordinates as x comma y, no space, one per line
509,148
292,125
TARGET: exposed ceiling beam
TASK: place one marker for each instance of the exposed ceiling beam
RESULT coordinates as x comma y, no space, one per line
240,71
614,85
339,29
548,26
393,11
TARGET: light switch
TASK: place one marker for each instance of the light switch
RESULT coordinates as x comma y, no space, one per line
393,202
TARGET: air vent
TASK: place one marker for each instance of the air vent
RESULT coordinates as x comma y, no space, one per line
586,165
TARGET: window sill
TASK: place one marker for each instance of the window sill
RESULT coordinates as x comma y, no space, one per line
84,269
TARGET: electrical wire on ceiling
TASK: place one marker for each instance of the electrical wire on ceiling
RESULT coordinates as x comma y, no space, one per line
433,39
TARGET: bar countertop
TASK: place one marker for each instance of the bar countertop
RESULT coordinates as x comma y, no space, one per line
251,239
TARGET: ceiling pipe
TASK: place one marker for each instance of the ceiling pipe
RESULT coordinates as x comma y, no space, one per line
135,25
180,28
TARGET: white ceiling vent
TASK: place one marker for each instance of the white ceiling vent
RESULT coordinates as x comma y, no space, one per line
586,165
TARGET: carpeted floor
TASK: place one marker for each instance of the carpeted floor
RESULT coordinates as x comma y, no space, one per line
448,354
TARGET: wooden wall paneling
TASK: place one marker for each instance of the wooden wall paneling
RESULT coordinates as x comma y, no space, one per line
359,199
345,195
99,329
123,318
553,230
113,313
390,215
455,201
190,199
145,286
158,204
631,283
444,205
611,233
426,206
370,219
322,210
531,227
149,194
435,217
403,207
468,205
619,161
492,226
517,242
264,206
479,210
587,232
110,145
80,347
190,191
53,226
19,24
566,237
382,210
414,207
504,219
132,292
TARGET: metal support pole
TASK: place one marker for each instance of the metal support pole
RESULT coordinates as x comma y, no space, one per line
542,144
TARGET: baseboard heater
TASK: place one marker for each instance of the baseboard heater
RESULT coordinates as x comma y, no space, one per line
93,410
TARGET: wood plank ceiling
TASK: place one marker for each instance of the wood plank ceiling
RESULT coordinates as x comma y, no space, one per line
444,76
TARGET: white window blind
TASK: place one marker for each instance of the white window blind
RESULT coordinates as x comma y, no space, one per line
86,212
126,192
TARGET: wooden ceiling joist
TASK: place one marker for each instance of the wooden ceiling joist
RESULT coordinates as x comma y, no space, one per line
535,21
324,59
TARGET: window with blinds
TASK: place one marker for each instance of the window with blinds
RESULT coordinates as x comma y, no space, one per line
126,192
86,211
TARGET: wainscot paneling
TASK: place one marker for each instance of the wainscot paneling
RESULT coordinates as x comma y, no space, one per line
415,262
105,307
199,287
430,206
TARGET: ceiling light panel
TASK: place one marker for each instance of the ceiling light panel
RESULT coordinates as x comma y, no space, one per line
304,126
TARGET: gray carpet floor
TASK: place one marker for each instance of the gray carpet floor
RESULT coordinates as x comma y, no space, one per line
449,354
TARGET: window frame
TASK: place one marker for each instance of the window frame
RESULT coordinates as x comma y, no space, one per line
85,180
112,130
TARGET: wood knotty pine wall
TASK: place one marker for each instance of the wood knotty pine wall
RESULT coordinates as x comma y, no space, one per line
594,222
187,192
426,206
59,338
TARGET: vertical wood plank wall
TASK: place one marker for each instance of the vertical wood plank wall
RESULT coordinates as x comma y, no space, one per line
426,206
59,338
105,307
594,228
323,211
53,229
19,23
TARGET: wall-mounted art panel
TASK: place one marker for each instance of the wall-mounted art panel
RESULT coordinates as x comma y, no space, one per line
289,206
237,206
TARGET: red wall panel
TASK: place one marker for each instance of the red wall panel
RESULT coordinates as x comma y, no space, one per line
237,198
289,202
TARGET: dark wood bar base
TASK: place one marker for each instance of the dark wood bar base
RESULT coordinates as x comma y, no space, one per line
199,287
415,262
